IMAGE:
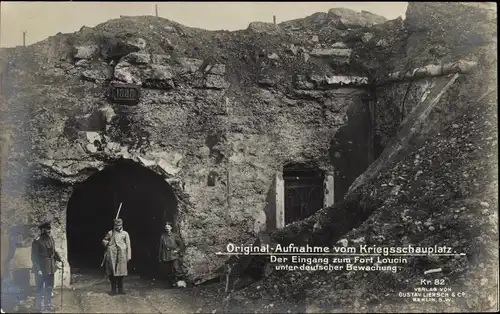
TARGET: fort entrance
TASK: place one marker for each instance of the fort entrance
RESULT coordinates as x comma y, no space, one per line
147,202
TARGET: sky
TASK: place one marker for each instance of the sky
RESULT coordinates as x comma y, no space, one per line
43,19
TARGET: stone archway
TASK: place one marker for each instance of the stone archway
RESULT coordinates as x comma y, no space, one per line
148,201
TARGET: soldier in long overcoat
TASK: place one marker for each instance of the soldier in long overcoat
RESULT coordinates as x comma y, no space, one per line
170,255
44,256
118,254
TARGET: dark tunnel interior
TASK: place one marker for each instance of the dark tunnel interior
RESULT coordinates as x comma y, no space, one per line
147,202
349,149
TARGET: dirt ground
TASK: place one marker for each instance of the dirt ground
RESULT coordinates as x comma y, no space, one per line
90,294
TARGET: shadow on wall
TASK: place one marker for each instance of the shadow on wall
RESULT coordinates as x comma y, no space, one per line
350,148
270,209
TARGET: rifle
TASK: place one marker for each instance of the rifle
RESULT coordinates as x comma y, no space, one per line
112,235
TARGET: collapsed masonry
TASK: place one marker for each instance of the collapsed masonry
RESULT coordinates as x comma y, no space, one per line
222,113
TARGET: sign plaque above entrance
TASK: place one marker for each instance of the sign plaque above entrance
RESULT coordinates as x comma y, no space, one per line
125,94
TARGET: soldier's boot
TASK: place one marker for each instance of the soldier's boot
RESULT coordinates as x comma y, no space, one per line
47,299
120,285
178,275
169,283
38,302
112,279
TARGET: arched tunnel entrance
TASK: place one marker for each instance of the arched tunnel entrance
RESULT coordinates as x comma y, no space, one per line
147,202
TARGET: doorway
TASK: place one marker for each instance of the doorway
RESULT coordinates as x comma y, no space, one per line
304,191
147,202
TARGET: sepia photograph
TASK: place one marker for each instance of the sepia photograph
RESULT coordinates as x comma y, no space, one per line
248,157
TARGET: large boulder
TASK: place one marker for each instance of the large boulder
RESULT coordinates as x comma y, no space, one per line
86,52
262,27
347,18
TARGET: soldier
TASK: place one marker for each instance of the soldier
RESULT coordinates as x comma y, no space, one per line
118,254
170,253
44,257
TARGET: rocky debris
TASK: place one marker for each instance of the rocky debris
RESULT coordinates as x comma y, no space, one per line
107,113
215,82
401,46
262,27
266,82
319,18
95,76
273,56
458,39
347,18
330,52
382,43
337,19
339,45
82,63
115,48
310,82
86,52
150,76
159,72
216,69
137,58
165,167
381,48
138,43
292,49
472,28
70,171
366,37
92,137
91,122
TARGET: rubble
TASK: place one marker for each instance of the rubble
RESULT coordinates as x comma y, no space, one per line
335,52
327,82
86,52
261,27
